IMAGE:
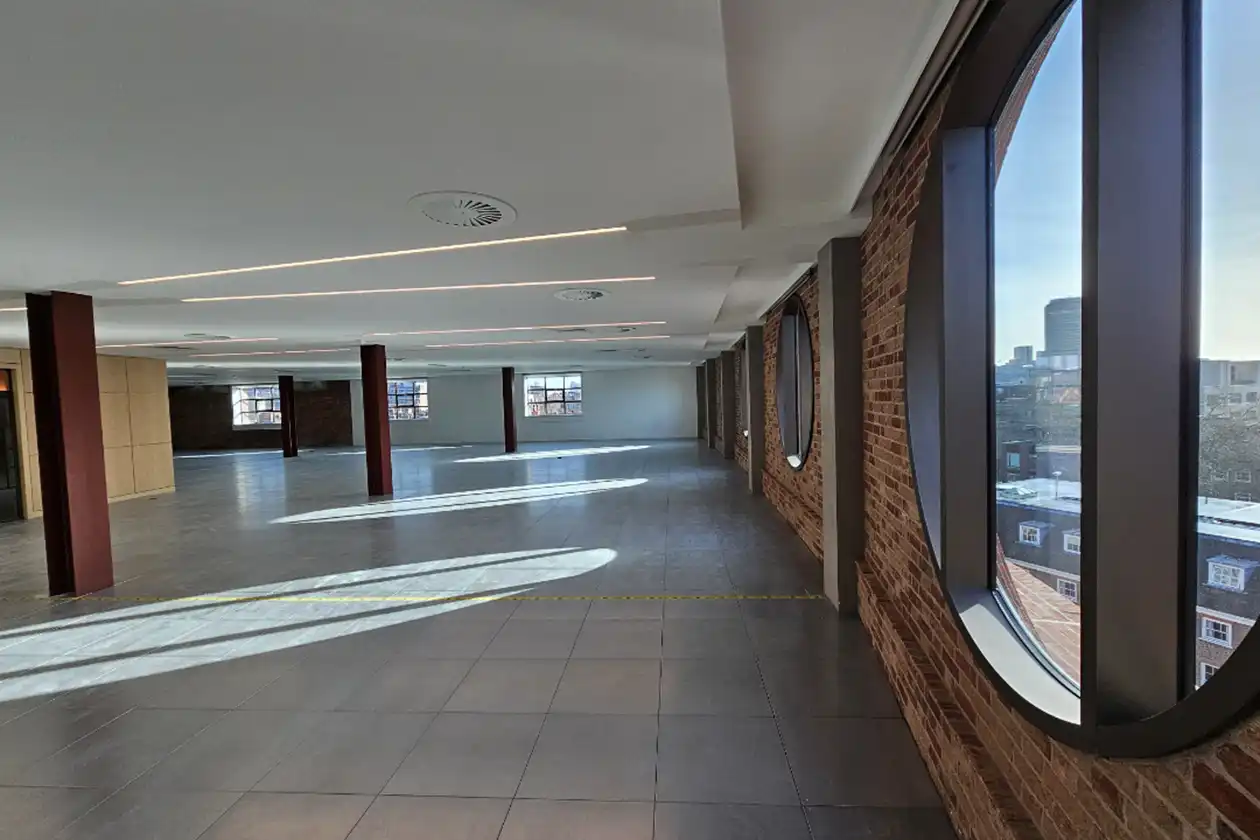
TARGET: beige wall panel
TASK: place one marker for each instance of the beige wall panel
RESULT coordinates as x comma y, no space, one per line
155,467
34,502
116,414
120,477
112,372
10,358
146,376
26,366
150,419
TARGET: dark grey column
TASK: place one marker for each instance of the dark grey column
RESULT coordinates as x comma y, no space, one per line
840,383
726,365
700,392
755,402
710,402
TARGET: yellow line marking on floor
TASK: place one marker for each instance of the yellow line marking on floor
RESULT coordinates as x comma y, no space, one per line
352,599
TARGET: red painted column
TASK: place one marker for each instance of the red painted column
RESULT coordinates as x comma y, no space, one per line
71,443
376,420
288,418
509,410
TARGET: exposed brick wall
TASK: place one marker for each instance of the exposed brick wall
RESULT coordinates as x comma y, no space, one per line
999,776
741,410
797,494
719,418
201,418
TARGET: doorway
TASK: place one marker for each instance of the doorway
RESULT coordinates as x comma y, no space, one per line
10,459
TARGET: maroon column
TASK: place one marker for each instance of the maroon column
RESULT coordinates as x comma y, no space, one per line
71,443
509,410
288,418
376,420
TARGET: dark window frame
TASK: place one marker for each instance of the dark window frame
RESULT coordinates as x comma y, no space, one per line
794,386
563,400
1140,241
255,407
398,403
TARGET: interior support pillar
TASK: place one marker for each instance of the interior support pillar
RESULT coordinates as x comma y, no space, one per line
726,369
509,410
70,442
380,469
840,381
288,418
755,403
710,402
699,402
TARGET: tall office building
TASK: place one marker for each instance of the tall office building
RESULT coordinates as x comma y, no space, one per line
1023,355
1063,327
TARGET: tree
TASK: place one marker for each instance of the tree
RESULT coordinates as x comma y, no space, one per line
1226,444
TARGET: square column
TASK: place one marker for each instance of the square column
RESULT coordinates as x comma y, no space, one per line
288,418
840,381
71,443
700,392
726,369
755,391
509,410
710,402
380,469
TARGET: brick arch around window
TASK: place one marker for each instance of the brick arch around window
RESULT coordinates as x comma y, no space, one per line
1000,776
796,494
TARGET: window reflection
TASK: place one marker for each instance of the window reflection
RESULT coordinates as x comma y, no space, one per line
1037,349
1229,370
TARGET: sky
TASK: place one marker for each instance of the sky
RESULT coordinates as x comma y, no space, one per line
1037,247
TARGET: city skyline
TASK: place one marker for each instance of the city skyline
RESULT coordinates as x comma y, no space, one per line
1037,209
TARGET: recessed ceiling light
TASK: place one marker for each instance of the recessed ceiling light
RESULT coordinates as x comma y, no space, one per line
409,252
461,288
184,343
624,325
550,341
272,353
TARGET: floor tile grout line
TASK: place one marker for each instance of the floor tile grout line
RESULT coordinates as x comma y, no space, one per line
778,728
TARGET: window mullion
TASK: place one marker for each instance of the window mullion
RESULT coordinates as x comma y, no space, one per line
966,359
1140,355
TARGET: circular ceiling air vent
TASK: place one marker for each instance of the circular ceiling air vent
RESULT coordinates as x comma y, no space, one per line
580,295
464,209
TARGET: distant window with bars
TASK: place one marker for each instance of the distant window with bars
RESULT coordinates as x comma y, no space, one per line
408,399
255,405
553,395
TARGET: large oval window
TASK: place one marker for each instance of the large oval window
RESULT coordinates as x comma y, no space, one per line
795,383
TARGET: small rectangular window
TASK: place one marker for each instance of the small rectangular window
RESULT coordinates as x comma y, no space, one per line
1012,460
408,399
1030,534
1225,576
1206,672
1072,542
1235,399
1242,497
1242,476
553,395
1069,589
1216,632
255,405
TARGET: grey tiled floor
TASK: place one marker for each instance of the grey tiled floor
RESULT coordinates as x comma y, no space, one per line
512,649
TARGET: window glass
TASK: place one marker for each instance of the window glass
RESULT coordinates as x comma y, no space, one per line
255,405
794,383
1037,349
553,395
1229,369
408,399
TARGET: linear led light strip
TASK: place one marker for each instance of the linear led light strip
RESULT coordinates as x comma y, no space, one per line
409,252
13,309
550,341
461,288
272,353
522,329
179,343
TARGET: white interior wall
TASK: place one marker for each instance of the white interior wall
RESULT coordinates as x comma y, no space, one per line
633,404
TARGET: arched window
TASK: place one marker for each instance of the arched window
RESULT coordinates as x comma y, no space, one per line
795,383
1083,365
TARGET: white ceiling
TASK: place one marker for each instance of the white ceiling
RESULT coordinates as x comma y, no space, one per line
150,137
